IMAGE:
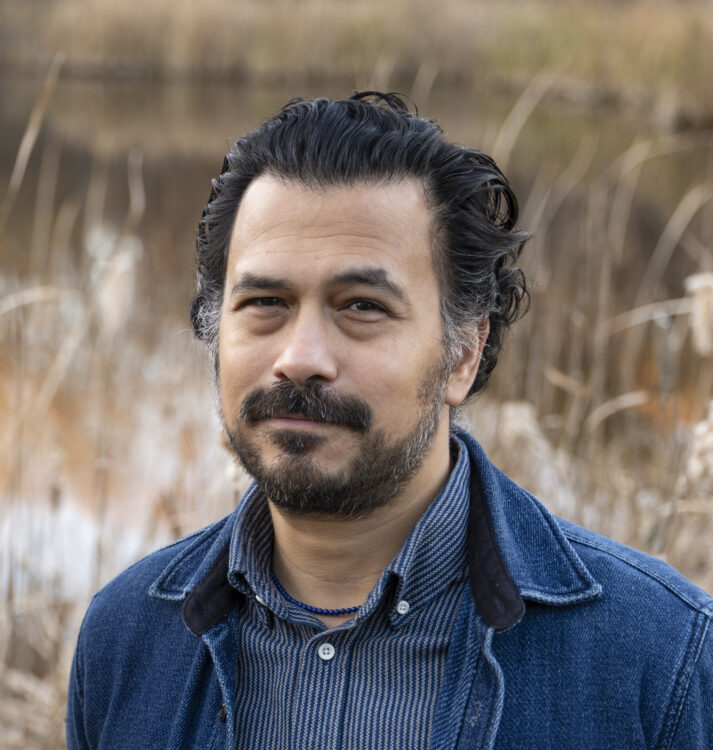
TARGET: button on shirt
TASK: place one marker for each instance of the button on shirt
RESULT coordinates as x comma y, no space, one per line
371,682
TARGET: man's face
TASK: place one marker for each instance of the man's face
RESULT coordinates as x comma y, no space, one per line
332,374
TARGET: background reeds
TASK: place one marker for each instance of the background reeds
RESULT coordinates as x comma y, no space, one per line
649,55
113,119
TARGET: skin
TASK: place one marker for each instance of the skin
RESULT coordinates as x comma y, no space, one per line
338,286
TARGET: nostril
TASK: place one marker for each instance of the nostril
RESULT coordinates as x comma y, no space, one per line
302,367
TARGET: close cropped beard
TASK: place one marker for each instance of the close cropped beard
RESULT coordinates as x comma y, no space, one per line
373,477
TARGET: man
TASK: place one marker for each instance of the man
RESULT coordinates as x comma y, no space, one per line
381,585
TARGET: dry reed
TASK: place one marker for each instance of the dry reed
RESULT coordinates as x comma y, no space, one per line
610,435
597,53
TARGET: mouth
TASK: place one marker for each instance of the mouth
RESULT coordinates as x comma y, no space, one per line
299,421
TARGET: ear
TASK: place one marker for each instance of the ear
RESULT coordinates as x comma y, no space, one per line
463,374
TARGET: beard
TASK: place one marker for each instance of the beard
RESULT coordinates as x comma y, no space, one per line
376,473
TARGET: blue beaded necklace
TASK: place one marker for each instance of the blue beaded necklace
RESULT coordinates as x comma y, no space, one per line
308,607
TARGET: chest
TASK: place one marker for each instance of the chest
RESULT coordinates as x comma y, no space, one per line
368,686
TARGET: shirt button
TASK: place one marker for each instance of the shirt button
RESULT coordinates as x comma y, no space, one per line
326,651
403,607
260,600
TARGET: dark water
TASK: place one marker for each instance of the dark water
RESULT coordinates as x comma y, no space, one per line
183,132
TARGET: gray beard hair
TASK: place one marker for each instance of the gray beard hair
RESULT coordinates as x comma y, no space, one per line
377,474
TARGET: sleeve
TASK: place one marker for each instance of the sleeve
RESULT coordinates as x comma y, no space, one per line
694,728
75,719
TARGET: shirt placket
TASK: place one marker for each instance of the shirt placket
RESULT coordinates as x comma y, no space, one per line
317,720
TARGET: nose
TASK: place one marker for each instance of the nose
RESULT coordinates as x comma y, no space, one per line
307,352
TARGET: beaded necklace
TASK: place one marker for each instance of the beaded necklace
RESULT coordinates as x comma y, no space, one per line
308,607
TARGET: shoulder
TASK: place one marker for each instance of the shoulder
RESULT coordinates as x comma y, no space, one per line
132,599
625,570
660,626
639,647
134,620
133,643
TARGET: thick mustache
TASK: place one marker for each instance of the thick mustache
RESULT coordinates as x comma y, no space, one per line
316,402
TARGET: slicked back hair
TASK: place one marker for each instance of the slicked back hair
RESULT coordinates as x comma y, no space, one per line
373,138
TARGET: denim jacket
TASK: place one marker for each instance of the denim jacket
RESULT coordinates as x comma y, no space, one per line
565,640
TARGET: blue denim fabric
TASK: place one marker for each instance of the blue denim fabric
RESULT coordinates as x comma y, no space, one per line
615,649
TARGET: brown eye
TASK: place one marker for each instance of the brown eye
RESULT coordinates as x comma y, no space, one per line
262,302
363,305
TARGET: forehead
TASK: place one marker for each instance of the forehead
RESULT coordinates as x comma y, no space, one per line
310,232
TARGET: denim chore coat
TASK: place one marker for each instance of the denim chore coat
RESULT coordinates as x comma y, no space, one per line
565,640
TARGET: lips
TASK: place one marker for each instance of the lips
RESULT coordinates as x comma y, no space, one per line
301,420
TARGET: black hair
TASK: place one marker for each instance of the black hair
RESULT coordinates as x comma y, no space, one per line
374,138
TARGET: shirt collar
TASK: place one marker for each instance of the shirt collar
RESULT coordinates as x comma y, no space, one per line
435,552
433,555
528,555
250,557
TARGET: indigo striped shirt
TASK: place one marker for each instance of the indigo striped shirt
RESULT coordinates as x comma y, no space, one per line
371,682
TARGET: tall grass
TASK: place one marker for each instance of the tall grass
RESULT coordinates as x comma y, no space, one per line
653,57
601,403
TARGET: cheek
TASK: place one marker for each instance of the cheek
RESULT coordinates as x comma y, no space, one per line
240,372
392,389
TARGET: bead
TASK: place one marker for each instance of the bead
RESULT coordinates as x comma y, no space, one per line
309,608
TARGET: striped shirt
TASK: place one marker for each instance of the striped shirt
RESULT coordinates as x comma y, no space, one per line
371,682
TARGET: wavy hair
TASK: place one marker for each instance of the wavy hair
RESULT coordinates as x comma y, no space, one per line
371,138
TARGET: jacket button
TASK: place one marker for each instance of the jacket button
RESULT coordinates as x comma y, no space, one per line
222,713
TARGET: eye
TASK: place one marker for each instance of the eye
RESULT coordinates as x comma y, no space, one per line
366,306
262,302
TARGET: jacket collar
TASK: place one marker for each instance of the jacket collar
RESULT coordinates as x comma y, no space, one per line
517,552
517,549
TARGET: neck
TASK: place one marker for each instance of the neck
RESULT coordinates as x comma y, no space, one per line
334,562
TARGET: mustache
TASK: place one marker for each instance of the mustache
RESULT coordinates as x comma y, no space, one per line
316,402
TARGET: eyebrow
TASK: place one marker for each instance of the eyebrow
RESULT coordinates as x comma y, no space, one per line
376,278
252,282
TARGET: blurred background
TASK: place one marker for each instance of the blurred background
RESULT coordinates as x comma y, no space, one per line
113,119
